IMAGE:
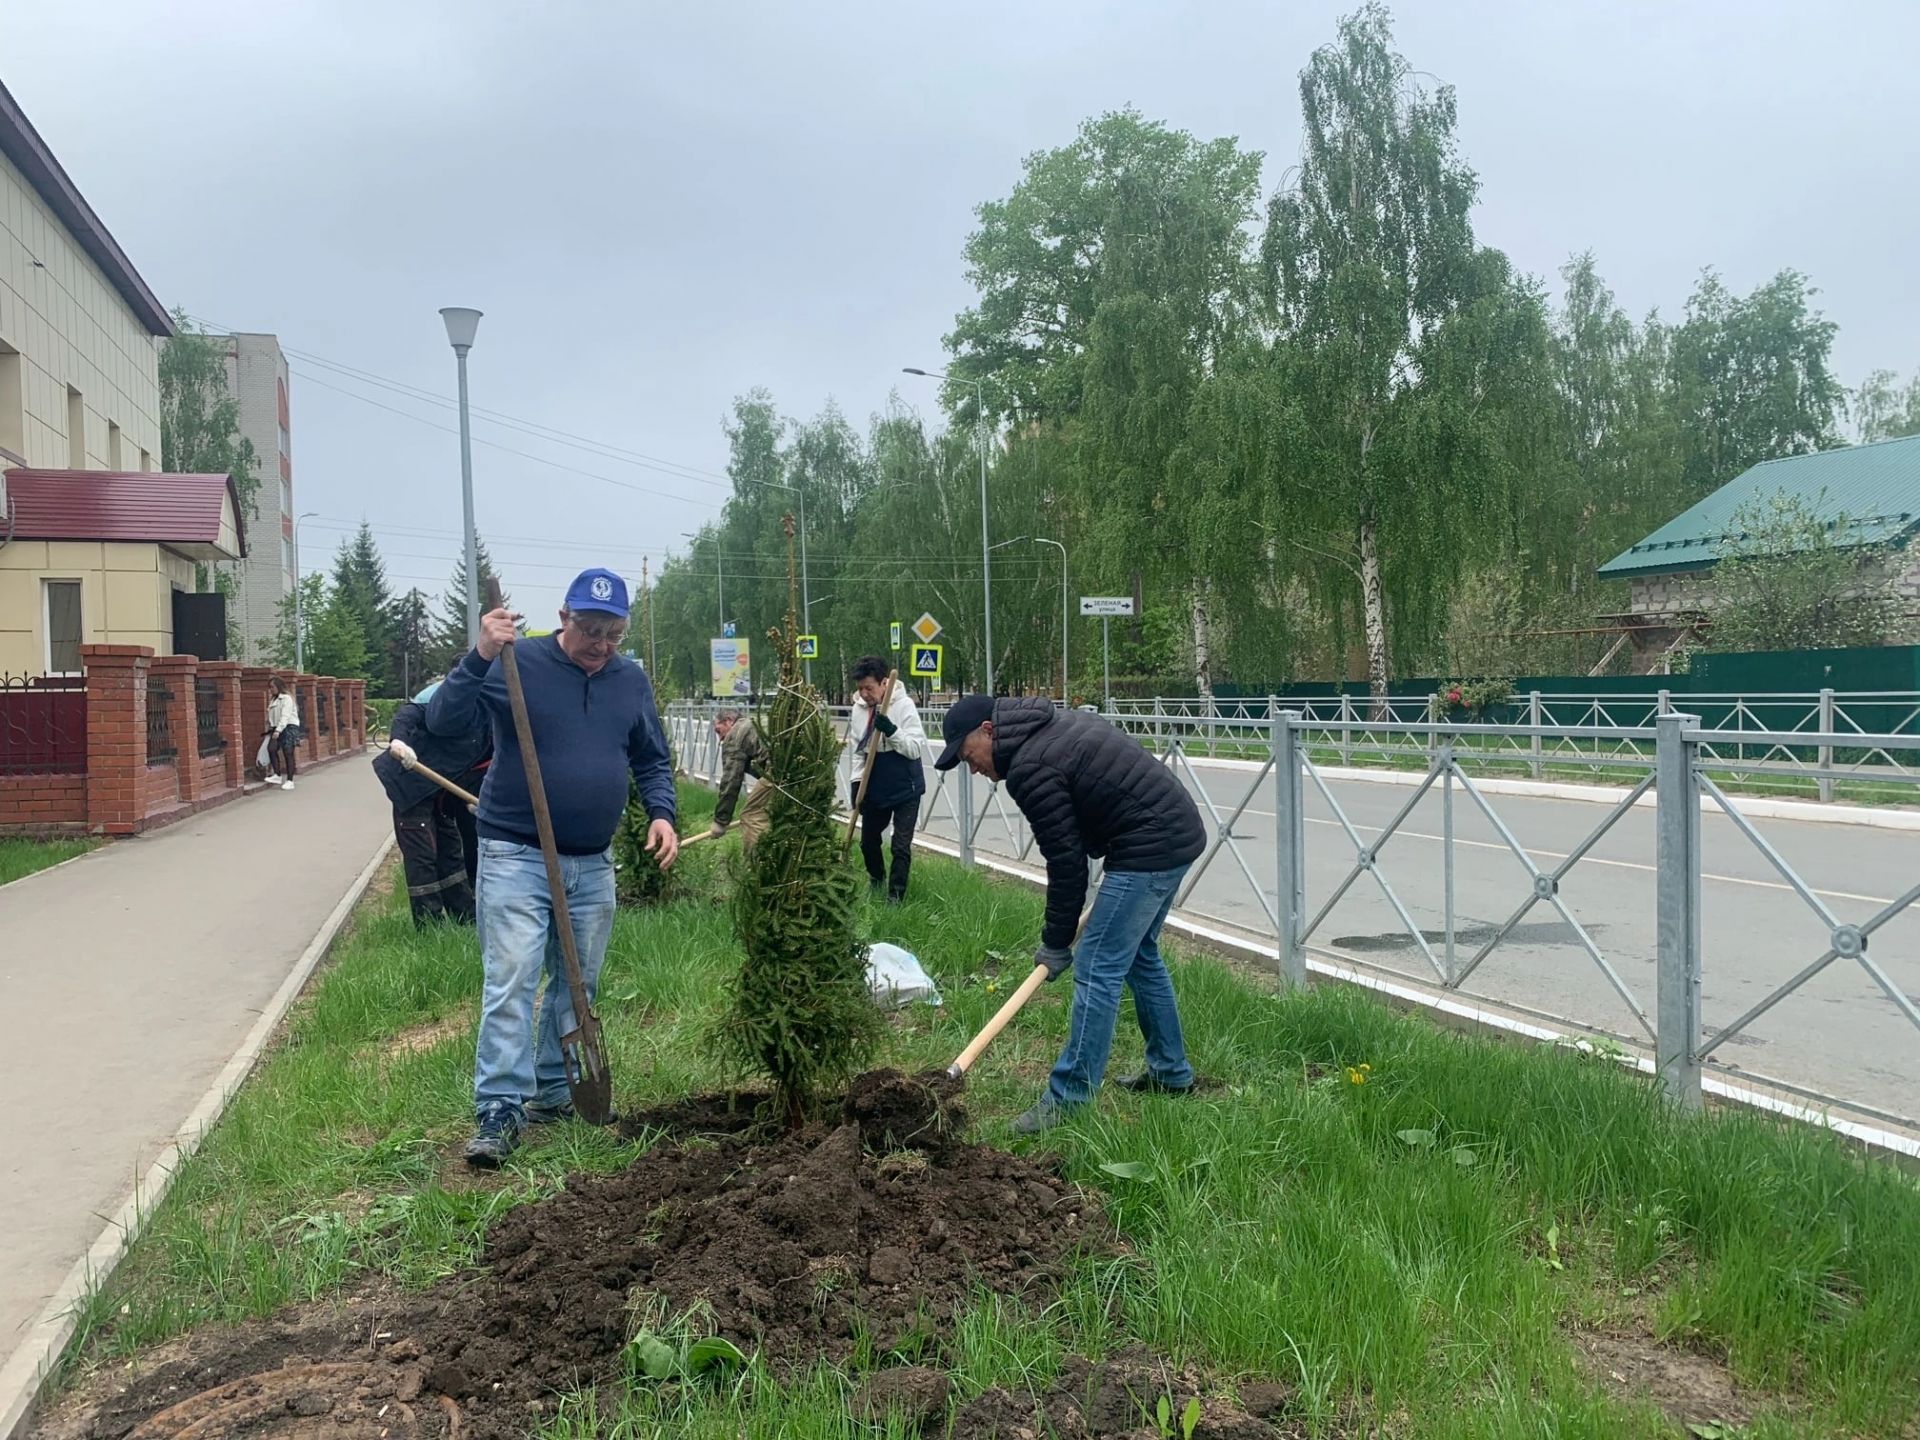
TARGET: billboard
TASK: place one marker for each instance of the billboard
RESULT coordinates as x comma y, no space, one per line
732,673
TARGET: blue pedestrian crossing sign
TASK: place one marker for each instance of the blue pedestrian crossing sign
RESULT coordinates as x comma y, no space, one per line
924,663
807,647
726,630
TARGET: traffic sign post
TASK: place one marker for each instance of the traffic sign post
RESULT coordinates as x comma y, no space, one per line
1106,607
924,663
807,647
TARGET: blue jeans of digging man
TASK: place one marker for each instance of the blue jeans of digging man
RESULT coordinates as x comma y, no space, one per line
513,1065
1120,946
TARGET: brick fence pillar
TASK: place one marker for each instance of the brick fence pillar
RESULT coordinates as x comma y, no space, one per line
254,696
307,695
225,675
336,739
358,701
116,736
177,673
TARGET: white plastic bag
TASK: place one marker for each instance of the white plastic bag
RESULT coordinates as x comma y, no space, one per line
265,758
896,980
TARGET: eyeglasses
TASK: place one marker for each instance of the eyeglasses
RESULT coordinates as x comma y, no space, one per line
610,634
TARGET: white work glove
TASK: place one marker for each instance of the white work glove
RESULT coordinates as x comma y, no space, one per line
403,752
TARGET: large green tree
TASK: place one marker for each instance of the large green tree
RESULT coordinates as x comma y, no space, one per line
360,588
1368,255
1884,409
450,632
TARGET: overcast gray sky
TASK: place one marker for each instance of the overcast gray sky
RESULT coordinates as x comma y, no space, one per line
659,207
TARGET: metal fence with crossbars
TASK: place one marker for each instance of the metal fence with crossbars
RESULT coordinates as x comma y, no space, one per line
1265,777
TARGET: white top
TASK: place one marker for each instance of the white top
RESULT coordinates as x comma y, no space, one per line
282,712
909,737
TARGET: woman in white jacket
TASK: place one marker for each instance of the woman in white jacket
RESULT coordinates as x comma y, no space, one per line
283,735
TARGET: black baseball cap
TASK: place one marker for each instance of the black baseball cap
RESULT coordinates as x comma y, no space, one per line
966,715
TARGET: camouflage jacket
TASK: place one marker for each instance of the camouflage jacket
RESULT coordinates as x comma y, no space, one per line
742,754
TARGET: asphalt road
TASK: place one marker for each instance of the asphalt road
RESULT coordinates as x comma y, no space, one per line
1838,1035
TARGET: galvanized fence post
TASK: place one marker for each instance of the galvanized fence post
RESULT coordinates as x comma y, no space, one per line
964,777
1346,736
1538,768
1159,744
1826,751
1446,845
1677,907
1289,845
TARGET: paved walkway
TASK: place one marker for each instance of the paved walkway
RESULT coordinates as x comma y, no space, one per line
128,978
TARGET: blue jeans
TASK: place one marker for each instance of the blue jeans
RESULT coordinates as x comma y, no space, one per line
518,944
1121,946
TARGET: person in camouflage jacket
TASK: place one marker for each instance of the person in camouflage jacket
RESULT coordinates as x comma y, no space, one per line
743,752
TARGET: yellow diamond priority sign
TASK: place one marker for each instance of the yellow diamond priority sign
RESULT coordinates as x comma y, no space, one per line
926,630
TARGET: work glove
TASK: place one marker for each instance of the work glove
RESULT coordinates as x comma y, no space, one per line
1057,958
884,725
717,830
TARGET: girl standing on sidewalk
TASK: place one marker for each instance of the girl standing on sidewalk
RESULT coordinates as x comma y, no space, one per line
283,734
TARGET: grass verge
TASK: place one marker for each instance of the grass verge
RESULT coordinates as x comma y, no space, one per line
22,857
1420,1233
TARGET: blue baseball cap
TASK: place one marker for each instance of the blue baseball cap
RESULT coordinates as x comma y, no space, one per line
598,589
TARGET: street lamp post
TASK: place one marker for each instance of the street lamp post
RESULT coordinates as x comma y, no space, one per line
719,570
1066,696
299,620
986,562
461,325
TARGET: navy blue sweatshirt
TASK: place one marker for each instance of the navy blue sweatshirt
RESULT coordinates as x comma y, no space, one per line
592,730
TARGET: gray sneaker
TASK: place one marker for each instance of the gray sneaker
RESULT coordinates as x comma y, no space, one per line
1040,1119
495,1137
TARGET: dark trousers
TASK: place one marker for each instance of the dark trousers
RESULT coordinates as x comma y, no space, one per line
874,820
435,862
469,827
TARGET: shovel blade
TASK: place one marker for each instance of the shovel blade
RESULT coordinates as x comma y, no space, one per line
589,1081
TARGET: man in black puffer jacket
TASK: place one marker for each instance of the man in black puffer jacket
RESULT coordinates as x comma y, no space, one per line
1090,791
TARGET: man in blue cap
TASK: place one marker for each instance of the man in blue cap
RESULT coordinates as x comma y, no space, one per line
593,718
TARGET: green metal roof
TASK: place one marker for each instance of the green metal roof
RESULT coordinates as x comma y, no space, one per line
1868,494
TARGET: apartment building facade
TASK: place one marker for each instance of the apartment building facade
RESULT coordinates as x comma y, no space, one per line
257,378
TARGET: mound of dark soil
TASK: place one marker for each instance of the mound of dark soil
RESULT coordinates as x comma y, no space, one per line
791,1247
1119,1397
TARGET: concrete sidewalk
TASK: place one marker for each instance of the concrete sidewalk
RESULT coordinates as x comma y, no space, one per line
129,978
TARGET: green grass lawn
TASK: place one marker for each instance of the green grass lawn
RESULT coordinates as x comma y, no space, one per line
1413,1228
23,857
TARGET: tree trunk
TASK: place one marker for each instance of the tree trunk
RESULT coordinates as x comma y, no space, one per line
1373,601
1203,638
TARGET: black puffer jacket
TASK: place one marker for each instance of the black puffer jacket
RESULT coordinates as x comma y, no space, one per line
1088,790
453,757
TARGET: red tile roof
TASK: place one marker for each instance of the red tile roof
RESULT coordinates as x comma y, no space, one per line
115,505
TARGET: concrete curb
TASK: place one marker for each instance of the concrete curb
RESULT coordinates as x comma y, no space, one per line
45,1340
1752,806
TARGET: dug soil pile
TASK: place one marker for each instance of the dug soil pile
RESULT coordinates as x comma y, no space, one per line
794,1247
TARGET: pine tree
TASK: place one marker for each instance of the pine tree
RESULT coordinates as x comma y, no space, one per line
450,636
800,1010
360,588
410,643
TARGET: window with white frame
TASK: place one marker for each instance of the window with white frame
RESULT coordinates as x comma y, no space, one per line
63,628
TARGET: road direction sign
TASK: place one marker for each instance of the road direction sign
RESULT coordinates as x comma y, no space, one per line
807,647
1106,605
926,629
924,664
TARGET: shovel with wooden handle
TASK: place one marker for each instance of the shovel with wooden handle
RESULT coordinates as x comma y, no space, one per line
403,752
582,1050
1001,1017
873,750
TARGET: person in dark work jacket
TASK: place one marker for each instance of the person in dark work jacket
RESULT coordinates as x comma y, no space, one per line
593,718
1090,791
889,726
426,819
